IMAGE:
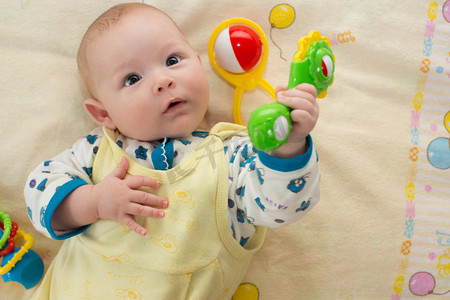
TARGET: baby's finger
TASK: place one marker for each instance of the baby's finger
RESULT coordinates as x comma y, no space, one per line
307,88
136,209
121,170
135,182
130,222
303,117
309,105
305,91
297,102
296,94
148,199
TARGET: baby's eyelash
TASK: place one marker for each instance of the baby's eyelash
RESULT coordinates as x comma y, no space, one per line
173,60
132,79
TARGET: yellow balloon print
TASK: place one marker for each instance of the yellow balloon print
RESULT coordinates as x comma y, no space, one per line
246,291
447,121
282,16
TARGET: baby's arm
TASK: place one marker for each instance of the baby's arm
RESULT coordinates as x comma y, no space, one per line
114,198
55,191
270,191
279,187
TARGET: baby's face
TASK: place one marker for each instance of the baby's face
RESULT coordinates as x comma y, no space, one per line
148,78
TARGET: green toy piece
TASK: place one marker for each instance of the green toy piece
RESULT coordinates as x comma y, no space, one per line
7,225
317,68
270,124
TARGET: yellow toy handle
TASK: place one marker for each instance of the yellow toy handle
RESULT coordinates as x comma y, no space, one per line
29,240
248,80
237,105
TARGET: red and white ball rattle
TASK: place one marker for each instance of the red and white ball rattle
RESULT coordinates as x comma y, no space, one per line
238,49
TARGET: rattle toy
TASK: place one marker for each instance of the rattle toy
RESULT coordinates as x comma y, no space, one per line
4,217
238,51
22,265
270,124
11,243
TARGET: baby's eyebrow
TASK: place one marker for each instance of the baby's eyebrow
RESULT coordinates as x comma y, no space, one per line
117,67
121,69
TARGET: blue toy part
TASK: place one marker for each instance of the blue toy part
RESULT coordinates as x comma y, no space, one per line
28,271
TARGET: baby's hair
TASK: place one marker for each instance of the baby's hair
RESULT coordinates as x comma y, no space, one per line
102,24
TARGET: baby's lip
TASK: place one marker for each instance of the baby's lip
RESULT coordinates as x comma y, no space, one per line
173,104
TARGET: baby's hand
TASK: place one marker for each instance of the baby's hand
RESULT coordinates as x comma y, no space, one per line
304,115
119,199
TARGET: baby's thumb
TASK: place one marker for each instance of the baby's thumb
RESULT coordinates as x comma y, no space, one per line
121,170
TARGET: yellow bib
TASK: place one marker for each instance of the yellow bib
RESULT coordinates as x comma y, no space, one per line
188,254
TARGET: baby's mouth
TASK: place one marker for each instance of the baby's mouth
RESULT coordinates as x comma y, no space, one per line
174,104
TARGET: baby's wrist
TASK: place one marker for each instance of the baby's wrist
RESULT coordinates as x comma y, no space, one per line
291,149
76,210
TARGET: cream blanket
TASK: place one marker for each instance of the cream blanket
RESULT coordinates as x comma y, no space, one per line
381,230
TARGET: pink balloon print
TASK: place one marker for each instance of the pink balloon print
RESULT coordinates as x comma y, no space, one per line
422,284
446,11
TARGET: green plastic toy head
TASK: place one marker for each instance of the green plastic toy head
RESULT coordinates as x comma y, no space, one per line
269,126
317,68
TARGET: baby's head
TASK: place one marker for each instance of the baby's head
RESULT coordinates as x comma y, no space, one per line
143,76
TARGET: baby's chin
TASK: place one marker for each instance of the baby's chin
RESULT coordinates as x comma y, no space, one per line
181,131
178,134
181,128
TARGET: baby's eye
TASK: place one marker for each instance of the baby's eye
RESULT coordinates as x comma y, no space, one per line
132,79
172,60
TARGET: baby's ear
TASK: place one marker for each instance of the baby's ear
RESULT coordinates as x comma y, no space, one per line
98,113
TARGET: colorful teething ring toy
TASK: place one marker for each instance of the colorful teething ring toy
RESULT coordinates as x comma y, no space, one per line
4,217
11,243
23,265
29,240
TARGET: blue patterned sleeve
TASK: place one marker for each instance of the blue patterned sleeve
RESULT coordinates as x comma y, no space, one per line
50,183
269,191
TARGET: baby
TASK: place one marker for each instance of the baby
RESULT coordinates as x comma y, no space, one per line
198,202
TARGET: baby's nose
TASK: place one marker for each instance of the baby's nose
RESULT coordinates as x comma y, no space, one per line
163,84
